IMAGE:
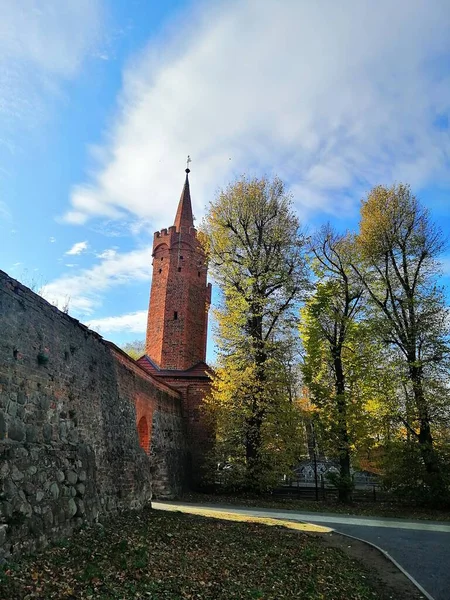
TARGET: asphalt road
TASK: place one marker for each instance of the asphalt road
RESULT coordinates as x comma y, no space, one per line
424,554
422,548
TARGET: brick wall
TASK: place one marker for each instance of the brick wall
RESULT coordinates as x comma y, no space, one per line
162,411
70,405
179,300
199,434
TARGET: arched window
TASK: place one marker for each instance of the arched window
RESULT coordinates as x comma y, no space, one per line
143,433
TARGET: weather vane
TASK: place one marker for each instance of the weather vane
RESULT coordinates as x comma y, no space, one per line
188,162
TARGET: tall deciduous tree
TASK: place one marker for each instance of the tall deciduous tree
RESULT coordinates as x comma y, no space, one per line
399,248
329,327
256,250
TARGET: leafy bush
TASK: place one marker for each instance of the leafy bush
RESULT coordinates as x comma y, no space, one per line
406,477
341,483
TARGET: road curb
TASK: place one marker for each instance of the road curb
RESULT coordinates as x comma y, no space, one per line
389,557
235,510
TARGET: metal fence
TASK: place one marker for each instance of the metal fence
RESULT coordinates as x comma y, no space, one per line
304,488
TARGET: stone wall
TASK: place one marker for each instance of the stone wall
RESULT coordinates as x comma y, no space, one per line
199,434
163,413
71,405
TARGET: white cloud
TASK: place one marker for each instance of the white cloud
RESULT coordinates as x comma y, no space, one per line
78,248
41,44
135,322
108,253
332,96
84,289
52,240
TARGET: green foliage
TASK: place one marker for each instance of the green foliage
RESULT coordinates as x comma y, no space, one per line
230,406
335,345
406,476
374,333
397,263
343,483
370,386
256,251
134,349
43,358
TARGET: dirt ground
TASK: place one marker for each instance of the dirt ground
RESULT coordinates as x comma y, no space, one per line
387,578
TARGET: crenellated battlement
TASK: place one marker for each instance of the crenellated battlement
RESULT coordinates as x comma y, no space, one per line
176,238
172,230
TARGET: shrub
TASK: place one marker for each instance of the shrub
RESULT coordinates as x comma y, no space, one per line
406,477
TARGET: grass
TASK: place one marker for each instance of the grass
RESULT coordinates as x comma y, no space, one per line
171,556
369,509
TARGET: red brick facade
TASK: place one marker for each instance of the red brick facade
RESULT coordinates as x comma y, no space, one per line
180,296
177,323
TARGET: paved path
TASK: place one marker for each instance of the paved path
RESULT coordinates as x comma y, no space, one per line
422,548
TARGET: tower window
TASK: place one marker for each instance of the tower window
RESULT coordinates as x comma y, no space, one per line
179,269
162,257
181,257
175,316
160,270
198,273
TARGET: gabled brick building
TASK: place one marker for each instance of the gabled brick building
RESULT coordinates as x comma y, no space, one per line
177,322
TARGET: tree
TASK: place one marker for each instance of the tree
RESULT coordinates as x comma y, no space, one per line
329,330
134,349
230,408
397,264
256,251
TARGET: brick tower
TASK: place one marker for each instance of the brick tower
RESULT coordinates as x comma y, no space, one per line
180,297
177,323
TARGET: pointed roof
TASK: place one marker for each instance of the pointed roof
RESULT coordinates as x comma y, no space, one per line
184,216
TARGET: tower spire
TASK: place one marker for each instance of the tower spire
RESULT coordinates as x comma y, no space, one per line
184,217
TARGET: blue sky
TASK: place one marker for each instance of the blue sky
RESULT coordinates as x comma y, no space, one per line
101,101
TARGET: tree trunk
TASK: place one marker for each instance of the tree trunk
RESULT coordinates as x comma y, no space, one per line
344,489
425,437
252,449
255,421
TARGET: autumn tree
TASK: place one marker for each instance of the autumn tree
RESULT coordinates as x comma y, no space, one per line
281,434
329,331
135,349
256,251
398,264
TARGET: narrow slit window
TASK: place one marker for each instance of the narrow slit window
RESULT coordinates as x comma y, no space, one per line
160,270
198,273
179,269
175,316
